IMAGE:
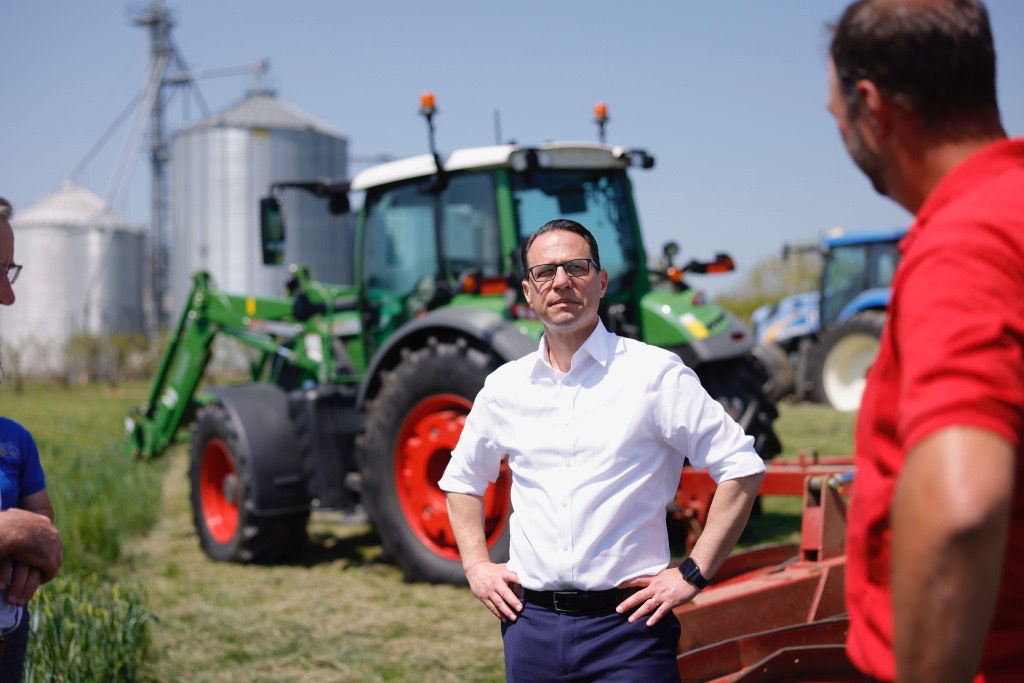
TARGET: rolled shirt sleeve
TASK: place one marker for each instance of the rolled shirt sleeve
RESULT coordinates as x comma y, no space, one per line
696,425
476,460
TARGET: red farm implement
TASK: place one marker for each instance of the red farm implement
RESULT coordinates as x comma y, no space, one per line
776,612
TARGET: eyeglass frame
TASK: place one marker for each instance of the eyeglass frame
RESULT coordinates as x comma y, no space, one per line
561,265
12,268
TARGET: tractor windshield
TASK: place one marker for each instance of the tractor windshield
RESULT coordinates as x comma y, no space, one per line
854,268
598,199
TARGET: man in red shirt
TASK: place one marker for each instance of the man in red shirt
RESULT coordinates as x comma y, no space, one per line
935,580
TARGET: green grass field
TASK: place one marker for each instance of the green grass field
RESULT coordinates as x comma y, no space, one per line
137,600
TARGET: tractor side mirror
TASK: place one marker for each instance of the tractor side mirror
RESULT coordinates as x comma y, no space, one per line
272,231
337,202
723,263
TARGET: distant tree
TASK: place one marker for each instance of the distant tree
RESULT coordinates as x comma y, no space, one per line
772,279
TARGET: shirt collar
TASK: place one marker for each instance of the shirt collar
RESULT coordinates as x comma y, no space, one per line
600,346
976,169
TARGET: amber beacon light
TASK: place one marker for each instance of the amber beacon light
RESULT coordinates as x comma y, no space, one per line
600,118
428,106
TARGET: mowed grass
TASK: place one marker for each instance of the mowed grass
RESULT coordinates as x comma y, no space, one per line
342,614
806,428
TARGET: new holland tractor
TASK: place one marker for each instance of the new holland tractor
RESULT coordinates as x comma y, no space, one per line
832,335
360,392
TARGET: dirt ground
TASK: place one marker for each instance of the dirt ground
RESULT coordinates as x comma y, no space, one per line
342,615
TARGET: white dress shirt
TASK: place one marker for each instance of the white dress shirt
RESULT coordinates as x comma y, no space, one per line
595,454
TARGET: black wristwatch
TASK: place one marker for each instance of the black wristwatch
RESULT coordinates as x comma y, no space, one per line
691,572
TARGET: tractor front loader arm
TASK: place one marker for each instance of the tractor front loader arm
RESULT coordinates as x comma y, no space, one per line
207,313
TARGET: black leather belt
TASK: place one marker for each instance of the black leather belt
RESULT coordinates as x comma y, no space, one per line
578,602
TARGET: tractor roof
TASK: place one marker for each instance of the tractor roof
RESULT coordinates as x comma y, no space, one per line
549,155
839,237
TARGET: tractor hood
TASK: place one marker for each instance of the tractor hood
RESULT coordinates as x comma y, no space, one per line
700,332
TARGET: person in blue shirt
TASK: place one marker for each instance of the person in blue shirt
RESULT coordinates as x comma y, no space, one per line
30,552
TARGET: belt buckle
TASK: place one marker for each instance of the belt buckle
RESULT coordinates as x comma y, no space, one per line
566,602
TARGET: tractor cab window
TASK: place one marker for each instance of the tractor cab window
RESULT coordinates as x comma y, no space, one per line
884,258
400,248
598,199
470,234
399,240
845,268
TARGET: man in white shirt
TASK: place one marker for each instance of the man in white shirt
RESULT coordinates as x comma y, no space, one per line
596,428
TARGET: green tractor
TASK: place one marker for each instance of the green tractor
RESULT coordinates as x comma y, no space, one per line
359,392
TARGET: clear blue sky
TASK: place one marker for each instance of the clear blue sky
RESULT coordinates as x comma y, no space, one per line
729,96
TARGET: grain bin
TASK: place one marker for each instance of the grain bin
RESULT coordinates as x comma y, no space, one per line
221,166
83,274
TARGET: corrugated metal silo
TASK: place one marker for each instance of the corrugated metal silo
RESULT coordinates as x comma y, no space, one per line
221,166
82,274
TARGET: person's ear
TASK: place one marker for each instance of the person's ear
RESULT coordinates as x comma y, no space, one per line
528,292
874,113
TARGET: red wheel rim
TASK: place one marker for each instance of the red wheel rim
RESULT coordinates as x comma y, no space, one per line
218,491
424,446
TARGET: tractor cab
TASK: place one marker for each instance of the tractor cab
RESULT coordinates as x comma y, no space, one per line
858,272
422,246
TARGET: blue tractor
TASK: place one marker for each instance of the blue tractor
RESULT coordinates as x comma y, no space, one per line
820,344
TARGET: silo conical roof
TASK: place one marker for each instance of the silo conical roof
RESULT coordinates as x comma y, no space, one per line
262,109
71,205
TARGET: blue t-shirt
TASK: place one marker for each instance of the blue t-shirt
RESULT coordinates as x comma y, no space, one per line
20,472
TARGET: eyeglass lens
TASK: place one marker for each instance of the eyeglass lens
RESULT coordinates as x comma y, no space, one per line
574,268
13,271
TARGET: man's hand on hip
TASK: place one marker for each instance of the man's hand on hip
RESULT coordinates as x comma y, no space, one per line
658,594
490,583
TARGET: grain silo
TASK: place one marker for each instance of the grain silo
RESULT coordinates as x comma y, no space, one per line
83,274
221,166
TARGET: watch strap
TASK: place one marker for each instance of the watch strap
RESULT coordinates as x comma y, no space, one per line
691,572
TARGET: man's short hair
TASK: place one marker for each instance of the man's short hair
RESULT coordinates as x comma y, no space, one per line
564,225
6,210
935,58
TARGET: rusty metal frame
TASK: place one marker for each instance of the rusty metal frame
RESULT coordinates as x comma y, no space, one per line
777,612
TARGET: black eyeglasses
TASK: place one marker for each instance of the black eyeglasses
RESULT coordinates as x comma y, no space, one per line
13,271
577,267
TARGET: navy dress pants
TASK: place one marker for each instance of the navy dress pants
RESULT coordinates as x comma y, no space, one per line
542,645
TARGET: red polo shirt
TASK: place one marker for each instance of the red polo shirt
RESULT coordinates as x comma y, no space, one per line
952,353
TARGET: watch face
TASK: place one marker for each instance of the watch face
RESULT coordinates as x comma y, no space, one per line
691,572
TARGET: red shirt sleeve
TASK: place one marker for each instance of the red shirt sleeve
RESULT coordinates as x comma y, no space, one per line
960,339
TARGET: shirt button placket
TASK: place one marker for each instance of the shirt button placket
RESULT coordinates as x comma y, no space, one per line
568,402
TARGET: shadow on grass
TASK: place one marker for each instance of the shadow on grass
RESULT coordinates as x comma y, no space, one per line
771,527
763,527
358,547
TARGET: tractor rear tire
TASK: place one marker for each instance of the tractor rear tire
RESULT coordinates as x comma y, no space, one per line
738,384
412,425
842,358
221,471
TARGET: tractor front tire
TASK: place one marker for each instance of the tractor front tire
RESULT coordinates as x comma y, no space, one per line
738,384
221,471
842,358
781,380
412,425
